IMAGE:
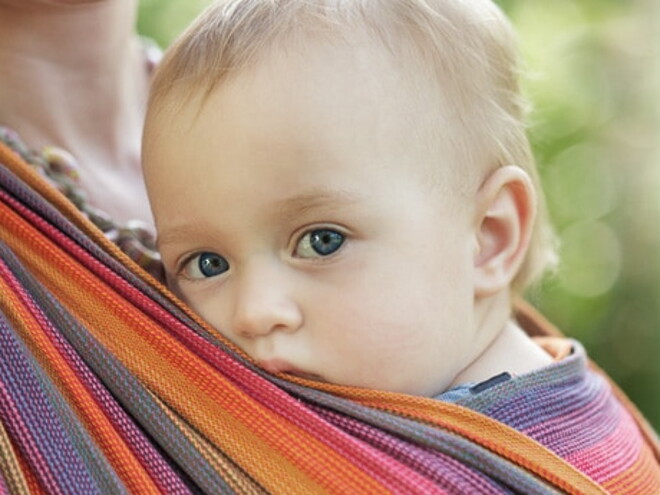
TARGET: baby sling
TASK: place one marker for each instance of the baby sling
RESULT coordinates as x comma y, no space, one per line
109,384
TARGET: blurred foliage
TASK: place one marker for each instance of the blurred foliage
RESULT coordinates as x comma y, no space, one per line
163,20
592,71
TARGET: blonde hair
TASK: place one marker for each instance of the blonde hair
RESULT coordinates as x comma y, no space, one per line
468,44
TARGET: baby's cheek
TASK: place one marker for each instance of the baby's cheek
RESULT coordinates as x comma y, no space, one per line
209,309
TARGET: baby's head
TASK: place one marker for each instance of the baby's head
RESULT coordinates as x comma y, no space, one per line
345,188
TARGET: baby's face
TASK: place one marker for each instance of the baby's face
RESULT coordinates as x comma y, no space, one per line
296,216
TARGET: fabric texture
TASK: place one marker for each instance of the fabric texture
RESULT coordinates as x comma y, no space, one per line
109,384
571,410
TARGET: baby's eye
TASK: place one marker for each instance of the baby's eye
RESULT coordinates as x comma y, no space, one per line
321,242
205,265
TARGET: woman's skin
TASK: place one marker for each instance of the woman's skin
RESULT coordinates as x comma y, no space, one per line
74,76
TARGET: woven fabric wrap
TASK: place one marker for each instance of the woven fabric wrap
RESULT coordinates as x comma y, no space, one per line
108,384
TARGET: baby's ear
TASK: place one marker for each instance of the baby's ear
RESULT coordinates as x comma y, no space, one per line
506,208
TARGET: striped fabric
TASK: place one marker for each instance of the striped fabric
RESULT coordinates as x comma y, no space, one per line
572,411
108,384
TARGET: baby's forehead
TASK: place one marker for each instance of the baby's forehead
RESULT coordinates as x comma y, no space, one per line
329,86
382,80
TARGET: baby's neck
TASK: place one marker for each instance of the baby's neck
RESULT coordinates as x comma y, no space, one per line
511,351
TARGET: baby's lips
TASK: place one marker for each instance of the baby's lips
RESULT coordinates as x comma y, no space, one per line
282,366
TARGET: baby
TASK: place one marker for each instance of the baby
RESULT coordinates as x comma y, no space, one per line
345,189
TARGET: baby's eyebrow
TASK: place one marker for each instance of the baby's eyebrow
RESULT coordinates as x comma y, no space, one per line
176,234
316,198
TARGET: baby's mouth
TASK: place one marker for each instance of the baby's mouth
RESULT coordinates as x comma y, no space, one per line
281,366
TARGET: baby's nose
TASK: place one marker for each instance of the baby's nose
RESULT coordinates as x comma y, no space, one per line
264,304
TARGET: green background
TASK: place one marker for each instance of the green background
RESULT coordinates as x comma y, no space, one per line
592,72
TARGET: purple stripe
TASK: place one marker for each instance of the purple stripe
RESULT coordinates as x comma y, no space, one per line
33,423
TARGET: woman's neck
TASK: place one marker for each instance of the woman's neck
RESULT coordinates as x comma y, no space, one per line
74,76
